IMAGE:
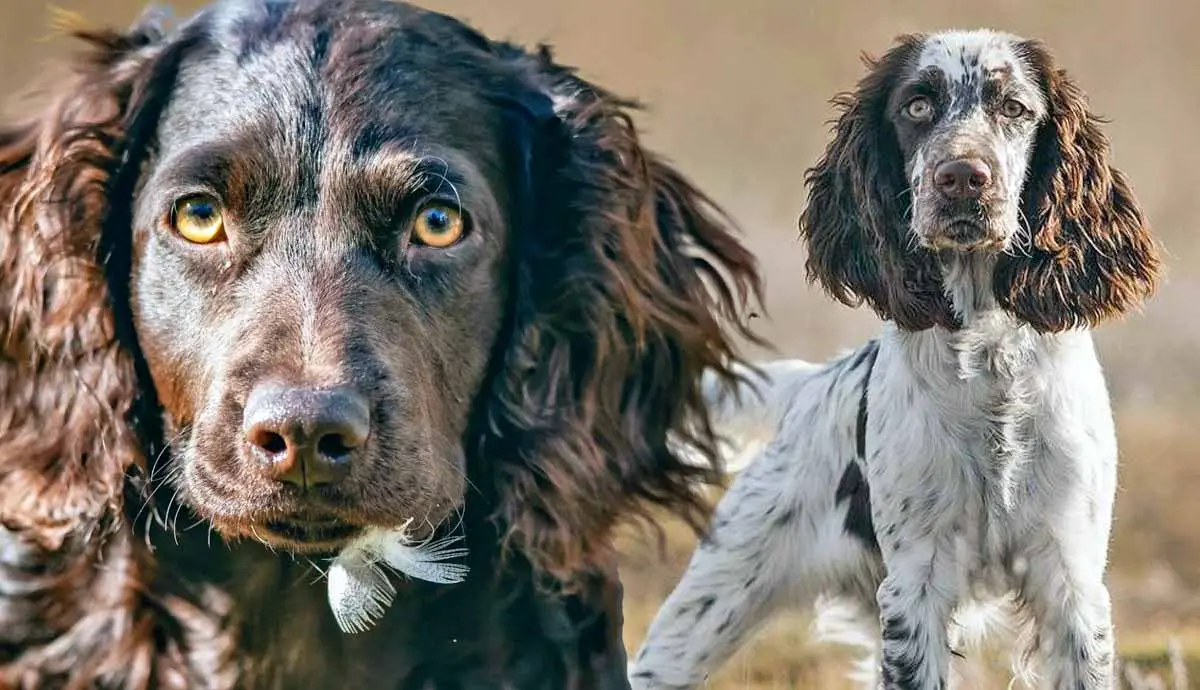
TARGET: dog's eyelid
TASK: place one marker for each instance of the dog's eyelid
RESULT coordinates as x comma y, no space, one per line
173,195
413,204
454,201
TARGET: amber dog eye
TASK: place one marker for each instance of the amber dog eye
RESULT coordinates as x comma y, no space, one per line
198,219
438,225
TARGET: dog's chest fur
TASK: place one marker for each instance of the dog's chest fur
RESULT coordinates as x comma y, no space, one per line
977,403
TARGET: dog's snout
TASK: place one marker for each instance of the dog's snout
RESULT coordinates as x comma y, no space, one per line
963,178
306,437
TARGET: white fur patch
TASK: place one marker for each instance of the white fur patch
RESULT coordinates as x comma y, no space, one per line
958,54
967,55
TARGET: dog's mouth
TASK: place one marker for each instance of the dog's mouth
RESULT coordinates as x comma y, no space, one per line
308,534
320,528
964,234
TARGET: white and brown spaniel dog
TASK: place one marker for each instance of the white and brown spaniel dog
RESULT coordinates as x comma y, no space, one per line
968,453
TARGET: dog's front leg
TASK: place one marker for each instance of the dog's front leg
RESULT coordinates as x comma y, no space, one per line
915,524
915,603
1063,585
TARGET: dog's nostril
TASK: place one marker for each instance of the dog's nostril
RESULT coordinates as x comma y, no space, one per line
270,441
334,446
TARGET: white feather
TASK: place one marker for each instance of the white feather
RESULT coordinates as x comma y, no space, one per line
359,589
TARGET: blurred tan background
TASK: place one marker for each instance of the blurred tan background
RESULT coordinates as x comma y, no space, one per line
737,96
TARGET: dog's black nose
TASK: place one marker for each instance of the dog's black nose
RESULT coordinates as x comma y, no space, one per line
306,436
964,178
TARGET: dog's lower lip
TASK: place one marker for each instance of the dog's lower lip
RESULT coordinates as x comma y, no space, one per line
960,233
322,533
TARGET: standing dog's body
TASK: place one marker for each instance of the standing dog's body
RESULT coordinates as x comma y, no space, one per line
968,452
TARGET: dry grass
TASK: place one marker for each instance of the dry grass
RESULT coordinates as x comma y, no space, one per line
1155,580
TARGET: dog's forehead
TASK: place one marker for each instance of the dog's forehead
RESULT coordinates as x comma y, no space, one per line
970,61
383,68
969,56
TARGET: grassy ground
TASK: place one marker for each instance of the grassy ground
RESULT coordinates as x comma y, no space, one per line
1154,577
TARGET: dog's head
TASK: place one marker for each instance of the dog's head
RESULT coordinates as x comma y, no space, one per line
366,261
975,142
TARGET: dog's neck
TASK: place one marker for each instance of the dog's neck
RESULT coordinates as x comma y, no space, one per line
268,615
967,279
991,341
994,367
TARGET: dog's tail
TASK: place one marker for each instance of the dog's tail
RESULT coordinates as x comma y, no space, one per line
746,416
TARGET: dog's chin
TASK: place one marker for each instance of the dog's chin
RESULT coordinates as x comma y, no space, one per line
309,535
964,235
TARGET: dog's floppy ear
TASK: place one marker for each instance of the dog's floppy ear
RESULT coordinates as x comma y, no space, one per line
856,221
1092,256
65,186
625,278
68,380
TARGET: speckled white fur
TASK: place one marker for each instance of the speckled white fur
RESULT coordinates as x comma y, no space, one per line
992,461
963,57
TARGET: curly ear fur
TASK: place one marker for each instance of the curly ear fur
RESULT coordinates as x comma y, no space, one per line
68,381
64,438
857,217
620,300
1092,255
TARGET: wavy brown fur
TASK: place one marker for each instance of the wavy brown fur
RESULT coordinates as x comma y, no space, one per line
583,413
1092,255
858,198
68,387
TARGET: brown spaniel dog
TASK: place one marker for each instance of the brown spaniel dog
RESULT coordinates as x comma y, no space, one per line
292,271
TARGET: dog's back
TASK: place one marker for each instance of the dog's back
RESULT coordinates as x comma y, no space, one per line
747,417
